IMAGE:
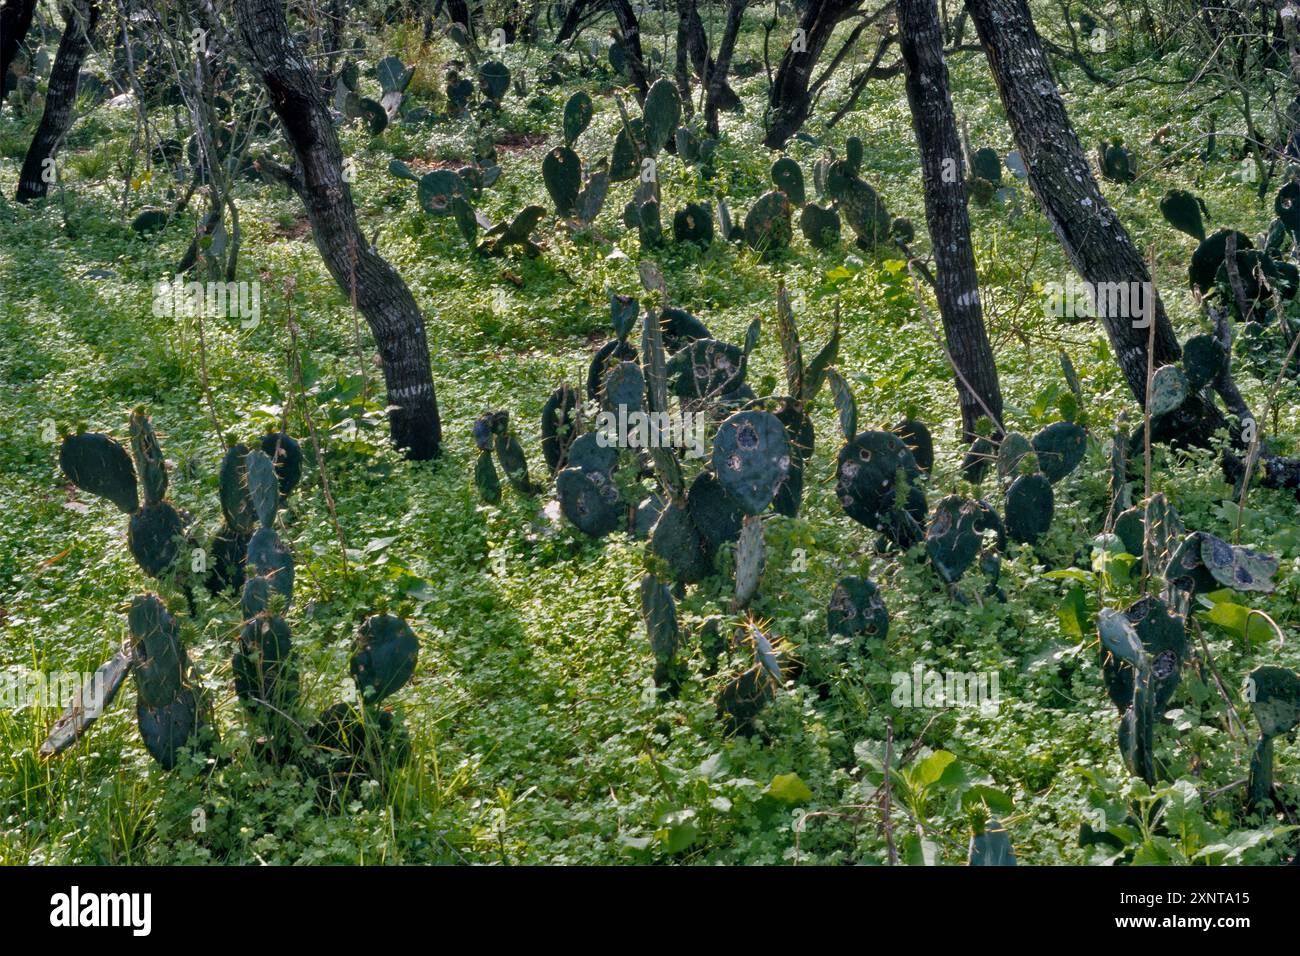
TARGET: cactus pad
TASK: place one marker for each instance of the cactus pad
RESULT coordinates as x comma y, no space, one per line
820,226
751,457
856,610
437,190
1059,447
678,544
589,500
693,224
952,540
916,436
262,665
155,535
868,474
1169,390
705,368
1204,360
272,560
263,487
1029,508
1182,210
384,655
577,116
767,226
559,425
787,176
99,465
1274,697
562,174
662,112
486,478
149,463
715,513
1233,566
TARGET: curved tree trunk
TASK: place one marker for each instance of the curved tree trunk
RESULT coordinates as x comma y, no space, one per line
80,18
789,100
718,95
381,295
15,21
956,281
629,30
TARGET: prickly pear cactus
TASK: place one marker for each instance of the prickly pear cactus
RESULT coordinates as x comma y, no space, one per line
1030,506
916,436
715,513
856,610
269,558
751,556
693,224
875,471
1274,697
578,112
678,546
1204,360
170,709
650,227
438,189
1183,211
987,164
265,675
149,463
952,540
1242,569
768,223
1059,447
1209,256
706,368
236,505
562,174
559,425
155,536
861,207
751,457
1169,390
659,614
590,500
263,487
1014,449
662,112
384,656
99,465
1161,646
787,176
820,226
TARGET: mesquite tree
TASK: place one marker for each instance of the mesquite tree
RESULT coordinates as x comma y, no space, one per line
15,21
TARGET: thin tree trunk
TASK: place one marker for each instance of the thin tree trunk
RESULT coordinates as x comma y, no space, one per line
381,295
718,95
80,18
956,280
789,101
15,21
630,36
1094,240
572,16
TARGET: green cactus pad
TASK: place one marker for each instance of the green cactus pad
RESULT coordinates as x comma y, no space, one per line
1182,210
1011,451
272,560
856,610
647,513
863,210
99,465
916,436
1204,360
149,462
594,454
578,112
286,454
767,226
625,161
1274,697
228,550
1130,528
650,227
742,699
1163,531
1233,566
559,424
751,556
393,74
1146,635
255,597
1169,390
715,513
820,225
589,500
787,176
1029,508
263,487
592,198
236,505
1184,568
168,727
608,355
867,475
562,175
155,536
678,544
845,404
952,540
659,614
706,367
624,388
384,655
494,80
662,112
158,662
437,190
751,457
679,329
693,224
263,667
486,479
992,846
1209,255
1059,447
510,454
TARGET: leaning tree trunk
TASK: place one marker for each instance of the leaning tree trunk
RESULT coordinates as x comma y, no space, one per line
629,31
380,294
718,95
1096,243
15,21
80,18
956,281
789,101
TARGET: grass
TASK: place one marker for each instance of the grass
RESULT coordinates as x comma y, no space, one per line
536,733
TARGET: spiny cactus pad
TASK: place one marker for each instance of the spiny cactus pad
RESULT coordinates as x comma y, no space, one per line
662,112
694,223
1169,390
1161,646
704,368
1274,697
751,457
787,176
868,472
272,560
1060,447
383,656
263,667
1029,508
678,544
1182,210
856,610
559,424
99,465
952,540
577,116
589,500
1233,566
149,462
715,513
155,536
916,436
820,225
768,223
1204,360
263,487
562,174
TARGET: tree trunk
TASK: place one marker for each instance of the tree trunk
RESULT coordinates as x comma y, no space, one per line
572,16
718,95
80,18
15,21
380,294
789,101
956,281
629,31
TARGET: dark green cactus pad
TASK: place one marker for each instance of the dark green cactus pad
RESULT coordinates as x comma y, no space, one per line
1130,528
751,558
726,229
952,540
1029,508
236,505
820,225
624,389
150,220
592,198
1161,646
263,666
975,463
155,536
1060,447
437,190
751,457
228,550
559,425
1013,448
510,454
1233,566
578,112
987,519
562,175
486,479
168,727
768,224
864,211
466,220
384,655
857,610
867,474
1117,163
662,112
987,164
992,846
149,462
1163,531
591,453
902,230
1209,255
158,662
715,513
1204,360
99,465
647,513
693,224
680,328
609,354
798,426
742,699
705,368
678,544
1261,276
255,597
393,75
787,176
625,163
286,454
1185,570
845,404
649,224
916,436
1274,697
263,487
374,114
494,80
659,614
272,560
1169,390
589,500
853,154
623,312
1183,211
483,428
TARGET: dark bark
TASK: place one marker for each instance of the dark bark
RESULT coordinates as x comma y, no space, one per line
956,280
380,294
789,101
80,18
15,21
629,35
717,94
572,17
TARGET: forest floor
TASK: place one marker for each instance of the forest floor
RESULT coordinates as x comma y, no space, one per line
536,733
